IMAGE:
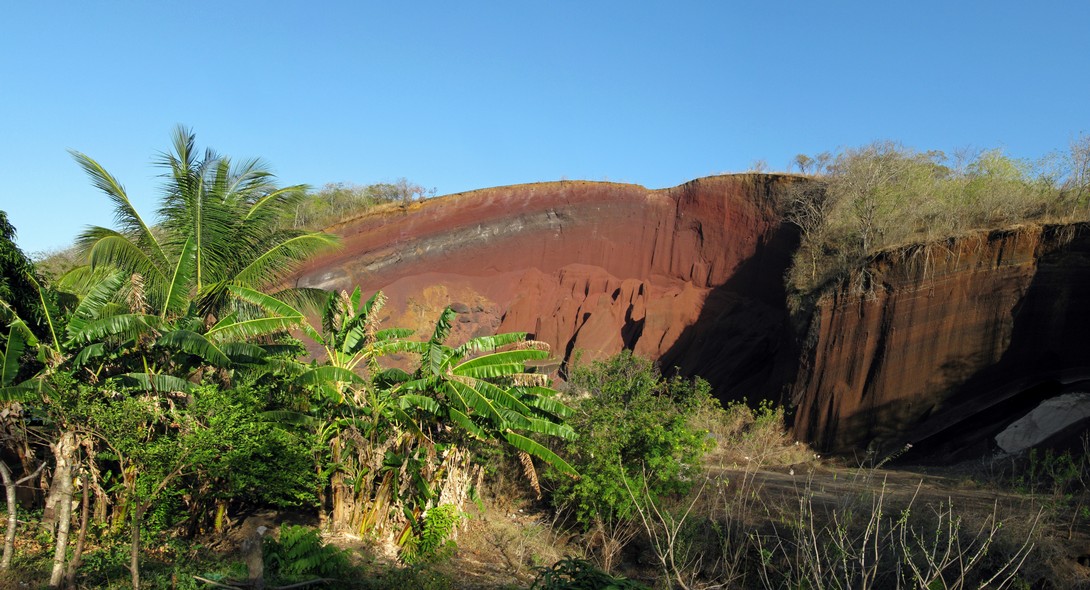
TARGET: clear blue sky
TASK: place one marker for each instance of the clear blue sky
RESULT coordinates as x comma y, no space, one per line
464,95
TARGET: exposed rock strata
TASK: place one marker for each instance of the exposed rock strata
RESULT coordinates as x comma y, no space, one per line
691,275
952,342
948,344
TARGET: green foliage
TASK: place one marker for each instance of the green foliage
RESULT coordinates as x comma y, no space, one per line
571,573
300,551
635,426
1058,473
417,577
220,226
431,535
884,195
337,202
246,460
18,280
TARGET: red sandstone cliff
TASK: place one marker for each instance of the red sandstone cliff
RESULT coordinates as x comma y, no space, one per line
955,340
690,275
951,342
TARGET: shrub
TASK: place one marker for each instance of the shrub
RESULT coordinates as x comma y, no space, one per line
431,536
571,573
300,552
634,425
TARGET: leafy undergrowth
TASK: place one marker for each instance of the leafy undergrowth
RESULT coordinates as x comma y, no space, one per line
741,527
746,507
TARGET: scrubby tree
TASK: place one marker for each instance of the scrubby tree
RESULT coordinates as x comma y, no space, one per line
1077,183
636,426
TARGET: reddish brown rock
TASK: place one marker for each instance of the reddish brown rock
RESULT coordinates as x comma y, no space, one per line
952,342
587,266
955,341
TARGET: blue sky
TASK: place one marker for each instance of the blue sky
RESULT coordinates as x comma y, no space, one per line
464,95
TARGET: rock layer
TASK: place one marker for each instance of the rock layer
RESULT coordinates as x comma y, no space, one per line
939,345
689,275
950,342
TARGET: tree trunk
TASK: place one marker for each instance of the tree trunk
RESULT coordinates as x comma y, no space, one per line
77,556
134,550
253,554
9,534
61,490
13,510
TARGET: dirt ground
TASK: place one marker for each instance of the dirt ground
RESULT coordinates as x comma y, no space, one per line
500,547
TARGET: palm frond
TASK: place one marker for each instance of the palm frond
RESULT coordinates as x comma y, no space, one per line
391,377
442,325
113,250
124,213
479,403
500,396
283,257
13,351
265,301
325,374
275,200
81,279
307,300
422,402
499,364
252,329
127,326
549,428
90,306
244,352
493,342
89,353
45,307
390,334
20,392
177,298
543,398
388,347
467,424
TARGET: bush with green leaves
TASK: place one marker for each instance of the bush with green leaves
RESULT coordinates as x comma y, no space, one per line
431,535
634,425
300,551
885,195
572,573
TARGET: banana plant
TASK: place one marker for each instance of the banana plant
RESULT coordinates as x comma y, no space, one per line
488,396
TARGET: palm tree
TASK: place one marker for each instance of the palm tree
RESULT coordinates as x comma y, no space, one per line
156,305
220,225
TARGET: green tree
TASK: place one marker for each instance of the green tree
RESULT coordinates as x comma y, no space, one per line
220,225
19,283
634,425
156,313
398,438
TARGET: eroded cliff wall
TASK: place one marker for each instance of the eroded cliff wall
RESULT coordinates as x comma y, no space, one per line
690,275
941,345
938,345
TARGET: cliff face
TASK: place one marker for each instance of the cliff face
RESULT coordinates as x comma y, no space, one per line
943,346
951,342
689,275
